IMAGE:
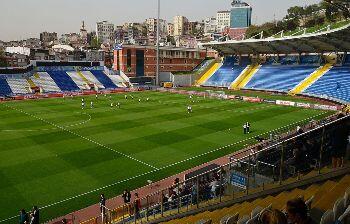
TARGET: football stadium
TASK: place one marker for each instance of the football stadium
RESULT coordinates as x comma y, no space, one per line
257,133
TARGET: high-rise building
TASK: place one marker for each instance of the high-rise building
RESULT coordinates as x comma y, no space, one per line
180,23
105,32
241,19
241,14
170,29
223,19
152,26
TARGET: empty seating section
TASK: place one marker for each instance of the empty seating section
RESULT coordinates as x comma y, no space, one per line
279,78
63,80
5,89
226,74
92,79
104,79
44,81
319,198
334,84
19,85
78,80
117,80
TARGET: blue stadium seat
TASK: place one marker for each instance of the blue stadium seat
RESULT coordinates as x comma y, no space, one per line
334,84
5,89
104,79
279,78
63,81
226,74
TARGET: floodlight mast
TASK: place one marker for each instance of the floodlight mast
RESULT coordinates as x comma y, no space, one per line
158,33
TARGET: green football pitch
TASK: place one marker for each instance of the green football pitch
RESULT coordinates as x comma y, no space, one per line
51,150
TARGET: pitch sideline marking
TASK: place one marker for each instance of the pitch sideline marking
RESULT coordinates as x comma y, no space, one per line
83,137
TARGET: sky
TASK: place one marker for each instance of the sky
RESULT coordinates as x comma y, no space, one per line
20,19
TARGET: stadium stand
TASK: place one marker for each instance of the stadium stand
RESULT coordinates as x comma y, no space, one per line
92,79
19,85
63,81
79,81
206,75
44,81
5,89
226,74
307,82
279,78
104,79
334,84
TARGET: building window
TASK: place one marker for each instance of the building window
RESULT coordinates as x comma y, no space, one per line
128,58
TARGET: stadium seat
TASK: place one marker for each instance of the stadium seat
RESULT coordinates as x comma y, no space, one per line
92,79
327,218
44,80
103,79
319,197
334,84
78,80
279,78
18,86
339,208
227,73
63,81
5,88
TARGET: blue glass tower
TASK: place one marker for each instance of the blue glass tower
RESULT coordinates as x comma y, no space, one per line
241,14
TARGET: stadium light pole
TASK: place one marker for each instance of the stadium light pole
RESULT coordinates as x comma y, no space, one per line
158,33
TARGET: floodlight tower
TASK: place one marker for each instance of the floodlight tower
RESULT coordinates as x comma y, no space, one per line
158,33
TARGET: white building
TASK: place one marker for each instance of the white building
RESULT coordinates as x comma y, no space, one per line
152,26
105,32
210,25
18,50
223,19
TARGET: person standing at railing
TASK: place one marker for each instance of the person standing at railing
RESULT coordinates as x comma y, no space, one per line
35,216
23,217
137,206
339,139
102,205
127,198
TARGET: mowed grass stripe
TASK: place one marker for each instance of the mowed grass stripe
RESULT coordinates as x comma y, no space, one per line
158,131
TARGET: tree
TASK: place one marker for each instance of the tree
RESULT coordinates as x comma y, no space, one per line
95,43
3,62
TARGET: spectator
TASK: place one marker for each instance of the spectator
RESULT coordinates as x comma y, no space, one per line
137,206
35,216
64,221
339,139
102,204
273,217
297,212
23,217
126,196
